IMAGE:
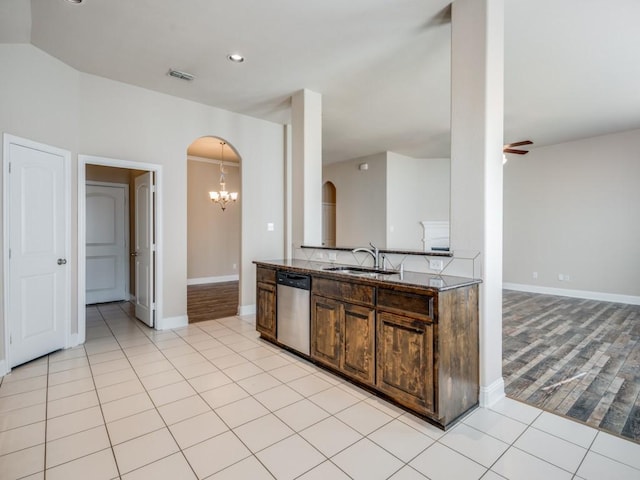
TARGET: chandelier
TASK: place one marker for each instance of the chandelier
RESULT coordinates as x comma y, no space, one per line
223,197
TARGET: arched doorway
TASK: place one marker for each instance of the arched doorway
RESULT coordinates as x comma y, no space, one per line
213,230
328,214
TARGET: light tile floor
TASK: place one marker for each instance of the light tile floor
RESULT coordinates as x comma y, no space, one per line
213,401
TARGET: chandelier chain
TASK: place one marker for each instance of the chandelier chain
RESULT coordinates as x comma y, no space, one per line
223,197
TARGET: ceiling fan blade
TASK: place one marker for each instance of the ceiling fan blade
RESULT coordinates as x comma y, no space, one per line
518,144
511,150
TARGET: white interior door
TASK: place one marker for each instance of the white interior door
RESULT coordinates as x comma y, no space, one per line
106,243
38,281
144,248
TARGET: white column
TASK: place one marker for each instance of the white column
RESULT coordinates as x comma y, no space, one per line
306,207
476,167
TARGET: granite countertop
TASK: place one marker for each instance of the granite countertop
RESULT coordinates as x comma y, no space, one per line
428,281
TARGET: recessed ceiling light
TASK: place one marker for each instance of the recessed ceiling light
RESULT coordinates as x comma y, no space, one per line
235,57
74,1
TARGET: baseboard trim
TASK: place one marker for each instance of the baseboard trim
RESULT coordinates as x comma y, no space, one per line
167,323
203,280
492,393
564,292
246,310
3,368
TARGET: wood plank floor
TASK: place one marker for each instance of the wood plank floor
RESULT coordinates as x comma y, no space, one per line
212,301
549,339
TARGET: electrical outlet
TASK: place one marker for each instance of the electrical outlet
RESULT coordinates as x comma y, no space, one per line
234,266
436,264
333,256
270,227
319,255
535,275
561,277
567,278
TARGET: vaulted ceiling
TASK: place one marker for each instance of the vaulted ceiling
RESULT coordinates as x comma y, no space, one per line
572,67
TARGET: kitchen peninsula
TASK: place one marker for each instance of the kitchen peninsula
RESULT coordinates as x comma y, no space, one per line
410,338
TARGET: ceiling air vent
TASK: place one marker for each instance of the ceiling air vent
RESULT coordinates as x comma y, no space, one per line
181,75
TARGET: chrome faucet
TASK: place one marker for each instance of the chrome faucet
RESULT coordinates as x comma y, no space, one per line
373,251
383,261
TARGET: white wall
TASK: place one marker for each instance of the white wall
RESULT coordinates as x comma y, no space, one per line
213,235
360,200
574,209
38,109
47,101
395,191
417,190
123,121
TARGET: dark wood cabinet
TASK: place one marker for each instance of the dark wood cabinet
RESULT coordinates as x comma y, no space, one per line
266,303
343,332
326,320
343,337
405,360
359,340
428,349
416,346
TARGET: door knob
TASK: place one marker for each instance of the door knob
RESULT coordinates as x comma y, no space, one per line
135,254
62,261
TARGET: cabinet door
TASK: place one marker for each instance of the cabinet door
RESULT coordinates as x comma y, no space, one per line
358,357
405,360
266,309
325,330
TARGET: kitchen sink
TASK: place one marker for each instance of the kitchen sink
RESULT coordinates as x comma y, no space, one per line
360,270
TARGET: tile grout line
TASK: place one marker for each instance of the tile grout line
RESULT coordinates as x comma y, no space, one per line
113,453
586,453
197,393
509,445
305,397
46,422
229,429
155,407
308,373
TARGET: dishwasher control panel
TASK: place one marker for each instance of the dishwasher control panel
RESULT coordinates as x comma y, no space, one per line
294,280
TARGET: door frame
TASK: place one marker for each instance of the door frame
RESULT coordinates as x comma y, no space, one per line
125,186
66,155
83,161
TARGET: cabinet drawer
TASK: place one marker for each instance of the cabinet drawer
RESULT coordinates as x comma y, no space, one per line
414,304
344,291
265,275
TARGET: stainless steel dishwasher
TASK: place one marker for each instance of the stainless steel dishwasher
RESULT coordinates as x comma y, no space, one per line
293,320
